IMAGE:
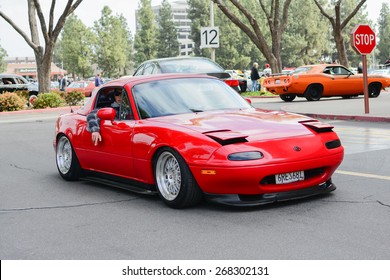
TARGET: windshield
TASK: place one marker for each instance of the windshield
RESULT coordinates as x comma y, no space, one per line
190,65
78,85
301,70
185,95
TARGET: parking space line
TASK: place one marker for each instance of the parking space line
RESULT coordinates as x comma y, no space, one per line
363,175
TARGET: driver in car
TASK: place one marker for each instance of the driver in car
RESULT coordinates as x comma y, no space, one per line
93,122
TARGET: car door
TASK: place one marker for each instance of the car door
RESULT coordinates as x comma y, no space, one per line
114,154
341,82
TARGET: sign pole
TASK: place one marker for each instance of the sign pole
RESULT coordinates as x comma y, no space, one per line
363,41
212,25
365,85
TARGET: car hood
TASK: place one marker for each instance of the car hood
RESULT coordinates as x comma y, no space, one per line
251,125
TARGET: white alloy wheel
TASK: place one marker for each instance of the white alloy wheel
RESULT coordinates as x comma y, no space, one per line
64,155
168,176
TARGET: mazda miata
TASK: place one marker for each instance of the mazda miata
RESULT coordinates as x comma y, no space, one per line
188,137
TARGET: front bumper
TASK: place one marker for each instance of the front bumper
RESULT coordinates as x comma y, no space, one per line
260,199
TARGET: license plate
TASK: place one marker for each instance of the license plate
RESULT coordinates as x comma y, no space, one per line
277,81
289,177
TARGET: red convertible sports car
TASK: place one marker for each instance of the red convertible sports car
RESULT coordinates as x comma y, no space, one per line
189,137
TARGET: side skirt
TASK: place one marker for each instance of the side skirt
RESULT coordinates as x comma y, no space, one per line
119,182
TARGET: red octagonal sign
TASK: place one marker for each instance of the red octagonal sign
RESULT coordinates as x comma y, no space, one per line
363,39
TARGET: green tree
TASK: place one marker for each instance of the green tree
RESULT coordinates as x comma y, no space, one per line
129,64
50,32
74,48
232,53
199,15
236,51
145,42
360,17
276,16
113,47
339,21
384,33
3,54
167,43
305,40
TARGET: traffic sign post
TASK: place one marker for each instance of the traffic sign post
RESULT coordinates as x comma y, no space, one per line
209,36
363,41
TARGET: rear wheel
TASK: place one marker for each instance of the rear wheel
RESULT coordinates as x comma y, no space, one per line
67,163
313,93
374,90
175,184
287,97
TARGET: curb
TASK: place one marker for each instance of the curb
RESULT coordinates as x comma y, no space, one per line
346,118
28,111
259,96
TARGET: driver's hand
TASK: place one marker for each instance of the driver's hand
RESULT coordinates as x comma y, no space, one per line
96,138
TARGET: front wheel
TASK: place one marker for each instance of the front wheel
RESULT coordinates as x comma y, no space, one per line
67,163
175,184
287,97
374,90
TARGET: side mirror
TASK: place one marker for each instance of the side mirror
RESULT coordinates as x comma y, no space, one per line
107,114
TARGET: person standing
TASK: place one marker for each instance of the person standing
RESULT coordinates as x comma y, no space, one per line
360,68
63,83
255,76
267,70
98,80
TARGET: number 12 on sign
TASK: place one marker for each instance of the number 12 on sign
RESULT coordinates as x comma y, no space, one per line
209,37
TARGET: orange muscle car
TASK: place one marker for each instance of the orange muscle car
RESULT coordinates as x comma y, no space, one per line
323,80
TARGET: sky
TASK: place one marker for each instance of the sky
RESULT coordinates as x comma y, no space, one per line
88,11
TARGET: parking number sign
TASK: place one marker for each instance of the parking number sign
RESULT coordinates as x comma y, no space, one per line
209,37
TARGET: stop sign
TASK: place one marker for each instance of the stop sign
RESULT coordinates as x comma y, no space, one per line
363,39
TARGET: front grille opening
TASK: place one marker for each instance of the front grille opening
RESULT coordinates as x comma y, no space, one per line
310,173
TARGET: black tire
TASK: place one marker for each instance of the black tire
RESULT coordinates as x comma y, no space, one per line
243,87
287,97
67,162
374,90
313,93
175,183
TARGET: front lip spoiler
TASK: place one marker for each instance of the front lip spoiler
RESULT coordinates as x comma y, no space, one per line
261,199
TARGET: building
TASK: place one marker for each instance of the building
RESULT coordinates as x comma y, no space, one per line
27,67
182,23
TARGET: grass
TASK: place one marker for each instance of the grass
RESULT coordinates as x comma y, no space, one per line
256,93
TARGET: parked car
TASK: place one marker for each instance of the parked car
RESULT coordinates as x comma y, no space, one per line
383,71
199,65
191,137
12,82
324,80
242,80
85,87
